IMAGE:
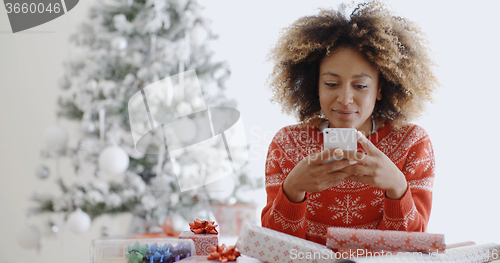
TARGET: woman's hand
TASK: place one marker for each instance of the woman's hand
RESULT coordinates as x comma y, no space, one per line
312,174
375,169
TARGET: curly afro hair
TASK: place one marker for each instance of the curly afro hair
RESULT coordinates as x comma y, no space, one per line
394,45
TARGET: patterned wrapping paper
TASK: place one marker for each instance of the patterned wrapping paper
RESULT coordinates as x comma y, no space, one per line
202,242
272,246
387,240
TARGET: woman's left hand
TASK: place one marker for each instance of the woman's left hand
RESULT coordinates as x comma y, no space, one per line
375,169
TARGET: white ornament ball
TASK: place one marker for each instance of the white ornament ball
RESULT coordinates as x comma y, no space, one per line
87,126
119,43
92,84
65,83
129,78
29,237
113,160
221,190
185,129
56,137
198,34
78,222
197,102
42,171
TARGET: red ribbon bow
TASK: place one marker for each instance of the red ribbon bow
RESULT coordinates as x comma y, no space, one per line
223,253
203,226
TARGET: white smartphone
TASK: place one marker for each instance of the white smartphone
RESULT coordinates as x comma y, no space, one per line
344,138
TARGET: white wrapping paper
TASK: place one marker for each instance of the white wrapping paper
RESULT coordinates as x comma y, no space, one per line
272,246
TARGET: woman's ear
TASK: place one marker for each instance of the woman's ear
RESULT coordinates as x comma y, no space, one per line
379,93
381,83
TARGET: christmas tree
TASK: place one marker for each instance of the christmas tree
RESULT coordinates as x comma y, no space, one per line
125,46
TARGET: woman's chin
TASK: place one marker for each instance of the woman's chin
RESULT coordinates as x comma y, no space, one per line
341,124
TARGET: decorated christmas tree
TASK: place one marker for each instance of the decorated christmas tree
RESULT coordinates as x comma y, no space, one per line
124,47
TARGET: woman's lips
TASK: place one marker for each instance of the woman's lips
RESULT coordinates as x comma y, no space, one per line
344,114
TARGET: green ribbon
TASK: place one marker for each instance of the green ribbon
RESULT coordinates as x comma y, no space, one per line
134,257
136,253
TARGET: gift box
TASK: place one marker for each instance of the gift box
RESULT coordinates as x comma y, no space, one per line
140,250
231,217
202,242
272,246
200,259
387,240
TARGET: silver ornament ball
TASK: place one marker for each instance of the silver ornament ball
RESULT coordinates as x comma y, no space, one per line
42,172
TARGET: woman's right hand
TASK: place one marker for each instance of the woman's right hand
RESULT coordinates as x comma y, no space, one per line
312,174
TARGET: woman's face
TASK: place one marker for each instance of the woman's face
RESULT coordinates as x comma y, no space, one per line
348,89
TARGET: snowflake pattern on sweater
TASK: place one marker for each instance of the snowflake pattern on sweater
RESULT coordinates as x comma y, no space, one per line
350,204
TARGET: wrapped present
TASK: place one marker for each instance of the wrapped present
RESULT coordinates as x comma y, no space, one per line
387,240
202,242
201,259
140,250
272,246
231,217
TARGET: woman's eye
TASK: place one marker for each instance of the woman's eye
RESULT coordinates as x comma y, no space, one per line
331,84
361,86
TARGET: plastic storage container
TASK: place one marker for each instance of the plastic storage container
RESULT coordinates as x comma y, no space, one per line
159,250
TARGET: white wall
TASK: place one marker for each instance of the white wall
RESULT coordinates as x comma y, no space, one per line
462,124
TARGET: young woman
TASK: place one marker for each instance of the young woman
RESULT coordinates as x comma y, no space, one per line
370,71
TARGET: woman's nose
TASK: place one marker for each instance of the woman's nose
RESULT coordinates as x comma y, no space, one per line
345,96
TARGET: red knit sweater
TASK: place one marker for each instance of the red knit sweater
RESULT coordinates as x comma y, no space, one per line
350,204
